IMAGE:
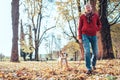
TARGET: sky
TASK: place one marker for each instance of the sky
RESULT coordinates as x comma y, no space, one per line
5,27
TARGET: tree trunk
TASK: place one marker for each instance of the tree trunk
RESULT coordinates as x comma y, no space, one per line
105,32
79,7
85,1
15,19
30,42
36,51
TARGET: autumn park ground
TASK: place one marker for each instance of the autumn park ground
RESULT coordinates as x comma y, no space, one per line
49,70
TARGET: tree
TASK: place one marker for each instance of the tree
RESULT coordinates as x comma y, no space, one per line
35,12
70,10
105,32
69,13
15,22
72,49
2,56
22,41
26,49
106,16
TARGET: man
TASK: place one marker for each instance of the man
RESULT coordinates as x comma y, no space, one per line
89,24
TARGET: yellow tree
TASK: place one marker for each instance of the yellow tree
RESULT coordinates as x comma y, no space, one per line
30,44
26,48
72,48
69,12
22,41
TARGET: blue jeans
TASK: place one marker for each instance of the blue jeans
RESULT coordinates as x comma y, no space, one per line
90,42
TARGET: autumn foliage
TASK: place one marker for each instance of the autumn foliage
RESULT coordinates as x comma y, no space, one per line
106,70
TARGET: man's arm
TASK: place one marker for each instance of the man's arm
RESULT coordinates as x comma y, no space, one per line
80,24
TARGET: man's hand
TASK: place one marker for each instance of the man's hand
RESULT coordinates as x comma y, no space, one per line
80,41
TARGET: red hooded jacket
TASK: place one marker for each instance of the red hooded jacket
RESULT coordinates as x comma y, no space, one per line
88,28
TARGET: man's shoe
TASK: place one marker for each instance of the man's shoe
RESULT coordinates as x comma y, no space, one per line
94,68
89,72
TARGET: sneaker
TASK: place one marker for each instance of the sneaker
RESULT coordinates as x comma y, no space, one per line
89,72
94,68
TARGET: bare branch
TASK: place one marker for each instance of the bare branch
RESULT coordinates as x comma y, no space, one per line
115,20
66,34
114,9
41,38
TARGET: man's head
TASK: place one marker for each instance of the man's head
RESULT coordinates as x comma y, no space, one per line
88,8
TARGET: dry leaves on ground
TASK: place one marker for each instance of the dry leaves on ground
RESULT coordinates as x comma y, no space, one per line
33,70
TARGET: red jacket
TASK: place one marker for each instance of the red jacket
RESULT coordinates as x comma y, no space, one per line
88,28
